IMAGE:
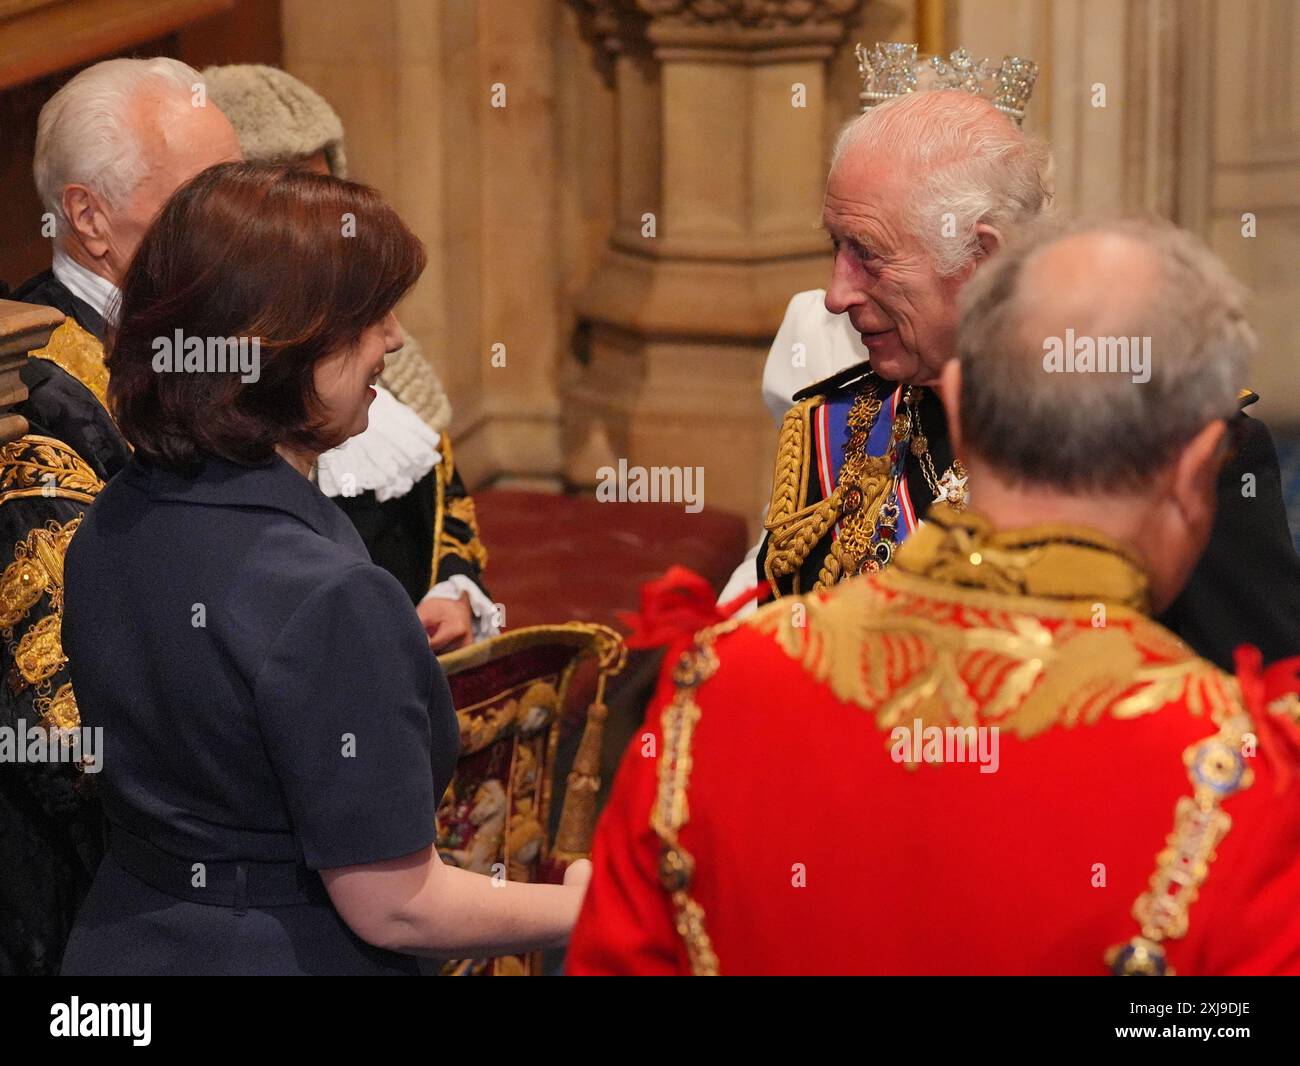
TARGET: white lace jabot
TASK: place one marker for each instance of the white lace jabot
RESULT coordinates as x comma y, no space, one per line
394,452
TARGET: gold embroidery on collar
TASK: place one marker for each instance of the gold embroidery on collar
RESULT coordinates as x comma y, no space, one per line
905,648
79,353
35,465
1053,562
671,810
1217,770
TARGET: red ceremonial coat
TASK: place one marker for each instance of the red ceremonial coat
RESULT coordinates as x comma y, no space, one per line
784,811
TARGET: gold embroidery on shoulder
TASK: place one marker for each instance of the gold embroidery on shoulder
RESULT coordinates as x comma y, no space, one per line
1217,770
671,810
81,354
35,465
970,656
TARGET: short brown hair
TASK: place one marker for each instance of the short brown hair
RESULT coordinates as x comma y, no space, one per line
303,262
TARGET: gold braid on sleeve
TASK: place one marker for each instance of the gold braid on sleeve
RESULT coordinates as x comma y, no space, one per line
461,509
793,528
30,467
37,655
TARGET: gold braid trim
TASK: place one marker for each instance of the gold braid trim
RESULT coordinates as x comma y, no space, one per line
35,465
671,812
794,528
461,509
1217,770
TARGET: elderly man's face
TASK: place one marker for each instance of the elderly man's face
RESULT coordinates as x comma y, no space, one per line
178,140
883,279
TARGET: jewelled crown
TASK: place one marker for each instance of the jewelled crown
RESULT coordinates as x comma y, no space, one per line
890,70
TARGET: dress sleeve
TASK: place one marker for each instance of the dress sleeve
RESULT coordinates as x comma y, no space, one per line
344,699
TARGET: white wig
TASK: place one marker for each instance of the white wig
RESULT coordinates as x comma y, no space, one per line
84,134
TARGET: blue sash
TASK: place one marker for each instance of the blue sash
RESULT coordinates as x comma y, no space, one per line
831,435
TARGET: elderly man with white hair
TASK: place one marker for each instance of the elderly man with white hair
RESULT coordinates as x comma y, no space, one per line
923,189
111,147
988,758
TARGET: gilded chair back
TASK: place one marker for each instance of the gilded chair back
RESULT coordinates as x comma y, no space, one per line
510,695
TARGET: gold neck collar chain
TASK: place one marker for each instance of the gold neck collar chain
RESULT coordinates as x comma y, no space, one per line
1060,562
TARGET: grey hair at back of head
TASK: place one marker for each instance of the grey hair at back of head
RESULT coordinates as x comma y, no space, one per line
1093,430
84,135
971,164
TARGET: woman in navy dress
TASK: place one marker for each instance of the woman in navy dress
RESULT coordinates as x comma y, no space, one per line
276,732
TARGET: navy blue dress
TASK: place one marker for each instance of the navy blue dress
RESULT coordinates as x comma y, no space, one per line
269,707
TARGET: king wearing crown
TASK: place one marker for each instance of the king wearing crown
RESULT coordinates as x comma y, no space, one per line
984,755
925,187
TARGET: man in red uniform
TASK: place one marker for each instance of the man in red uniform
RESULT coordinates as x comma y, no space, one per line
989,758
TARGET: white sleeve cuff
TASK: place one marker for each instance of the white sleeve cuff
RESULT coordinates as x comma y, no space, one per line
483,612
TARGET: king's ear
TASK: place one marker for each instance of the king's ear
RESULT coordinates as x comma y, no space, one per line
950,394
989,239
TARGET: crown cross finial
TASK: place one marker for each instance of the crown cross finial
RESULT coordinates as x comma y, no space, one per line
892,69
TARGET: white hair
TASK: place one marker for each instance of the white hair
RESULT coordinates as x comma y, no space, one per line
972,163
84,134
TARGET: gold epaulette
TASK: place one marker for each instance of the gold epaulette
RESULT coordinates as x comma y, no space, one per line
81,354
794,528
35,465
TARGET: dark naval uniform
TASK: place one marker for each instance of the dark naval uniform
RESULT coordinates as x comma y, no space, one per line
846,493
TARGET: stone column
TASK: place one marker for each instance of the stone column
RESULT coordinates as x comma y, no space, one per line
721,166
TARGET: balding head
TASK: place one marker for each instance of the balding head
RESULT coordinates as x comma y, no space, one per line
1103,281
1114,341
1097,367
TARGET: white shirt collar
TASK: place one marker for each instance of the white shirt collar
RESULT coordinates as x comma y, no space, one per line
86,285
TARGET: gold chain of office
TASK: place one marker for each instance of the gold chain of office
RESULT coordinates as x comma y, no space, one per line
869,510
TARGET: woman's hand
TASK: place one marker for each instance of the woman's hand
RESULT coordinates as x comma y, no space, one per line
578,874
420,905
448,623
